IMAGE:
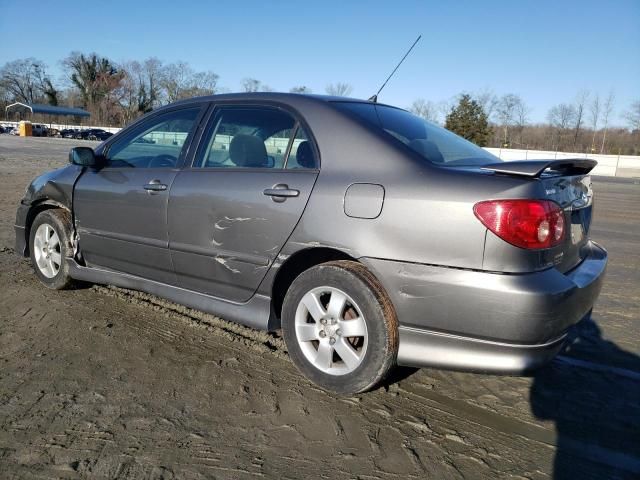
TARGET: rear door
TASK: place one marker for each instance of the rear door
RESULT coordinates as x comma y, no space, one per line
233,209
121,209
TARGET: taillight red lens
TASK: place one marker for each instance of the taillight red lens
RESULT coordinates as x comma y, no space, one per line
531,224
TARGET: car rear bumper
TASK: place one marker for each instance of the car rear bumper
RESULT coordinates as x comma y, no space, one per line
481,321
422,348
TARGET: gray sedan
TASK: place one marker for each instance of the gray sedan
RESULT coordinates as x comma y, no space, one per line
370,237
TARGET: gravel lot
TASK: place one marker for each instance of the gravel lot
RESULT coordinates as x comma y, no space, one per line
103,382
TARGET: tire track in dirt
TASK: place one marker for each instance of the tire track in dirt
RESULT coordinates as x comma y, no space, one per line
269,343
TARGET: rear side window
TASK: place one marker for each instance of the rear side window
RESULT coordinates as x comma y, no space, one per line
433,143
255,137
301,154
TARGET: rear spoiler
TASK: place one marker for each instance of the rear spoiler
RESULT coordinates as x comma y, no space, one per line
534,168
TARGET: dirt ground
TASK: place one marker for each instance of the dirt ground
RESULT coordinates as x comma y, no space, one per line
103,382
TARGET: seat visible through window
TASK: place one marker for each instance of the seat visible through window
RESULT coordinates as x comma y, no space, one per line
248,151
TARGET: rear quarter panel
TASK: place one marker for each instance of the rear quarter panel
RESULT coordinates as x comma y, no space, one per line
427,215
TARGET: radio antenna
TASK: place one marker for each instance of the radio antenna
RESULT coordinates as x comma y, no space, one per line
374,98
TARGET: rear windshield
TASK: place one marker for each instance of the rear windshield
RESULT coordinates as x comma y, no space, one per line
433,143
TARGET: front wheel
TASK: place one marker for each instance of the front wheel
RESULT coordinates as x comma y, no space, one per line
340,327
49,246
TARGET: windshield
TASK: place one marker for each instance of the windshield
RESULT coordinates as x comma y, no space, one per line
433,143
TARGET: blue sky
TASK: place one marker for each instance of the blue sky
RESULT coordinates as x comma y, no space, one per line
545,51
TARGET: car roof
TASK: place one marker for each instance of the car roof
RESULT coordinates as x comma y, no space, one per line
283,97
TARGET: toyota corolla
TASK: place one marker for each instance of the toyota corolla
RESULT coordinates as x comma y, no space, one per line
369,236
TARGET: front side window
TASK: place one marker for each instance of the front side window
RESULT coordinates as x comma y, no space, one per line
158,143
253,137
435,144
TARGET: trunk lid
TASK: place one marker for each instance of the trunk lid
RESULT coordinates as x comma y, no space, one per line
574,194
567,183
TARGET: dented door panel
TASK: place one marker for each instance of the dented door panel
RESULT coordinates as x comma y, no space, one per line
225,232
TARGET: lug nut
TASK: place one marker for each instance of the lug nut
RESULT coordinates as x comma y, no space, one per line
323,321
338,332
322,334
332,340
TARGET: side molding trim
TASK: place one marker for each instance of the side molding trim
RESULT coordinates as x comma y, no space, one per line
254,313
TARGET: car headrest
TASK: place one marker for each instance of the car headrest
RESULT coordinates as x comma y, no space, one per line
248,151
427,149
304,155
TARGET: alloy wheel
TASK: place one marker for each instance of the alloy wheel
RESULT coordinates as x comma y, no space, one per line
331,330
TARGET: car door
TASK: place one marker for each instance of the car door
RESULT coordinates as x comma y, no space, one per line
233,209
121,209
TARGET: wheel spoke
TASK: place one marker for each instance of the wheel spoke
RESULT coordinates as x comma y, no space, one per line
346,352
306,332
312,303
54,241
50,269
41,260
324,357
353,328
336,304
57,258
37,240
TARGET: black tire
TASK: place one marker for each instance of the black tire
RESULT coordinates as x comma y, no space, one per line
358,283
60,222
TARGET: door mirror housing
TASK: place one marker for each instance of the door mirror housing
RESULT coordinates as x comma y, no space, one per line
83,156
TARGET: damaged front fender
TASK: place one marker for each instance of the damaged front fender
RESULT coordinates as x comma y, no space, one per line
51,190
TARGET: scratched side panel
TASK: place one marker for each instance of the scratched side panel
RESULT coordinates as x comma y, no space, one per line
224,233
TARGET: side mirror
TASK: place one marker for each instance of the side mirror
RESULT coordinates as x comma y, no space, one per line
83,156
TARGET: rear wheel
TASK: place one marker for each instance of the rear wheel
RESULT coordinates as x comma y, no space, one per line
340,327
49,246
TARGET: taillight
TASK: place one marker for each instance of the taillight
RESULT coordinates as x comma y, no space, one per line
531,224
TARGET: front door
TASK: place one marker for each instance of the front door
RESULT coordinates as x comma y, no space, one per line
232,211
121,209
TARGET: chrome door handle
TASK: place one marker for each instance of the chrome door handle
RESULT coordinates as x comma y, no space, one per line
281,192
155,186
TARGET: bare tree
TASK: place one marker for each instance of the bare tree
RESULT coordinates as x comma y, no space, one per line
487,100
506,113
594,116
632,116
522,112
339,89
141,87
300,89
26,81
175,80
179,81
251,85
426,109
607,108
560,118
203,83
579,108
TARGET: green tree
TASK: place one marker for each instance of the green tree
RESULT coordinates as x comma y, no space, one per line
468,120
97,80
94,76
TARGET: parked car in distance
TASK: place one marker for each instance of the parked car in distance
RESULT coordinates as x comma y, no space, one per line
68,132
368,235
98,134
92,134
39,130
